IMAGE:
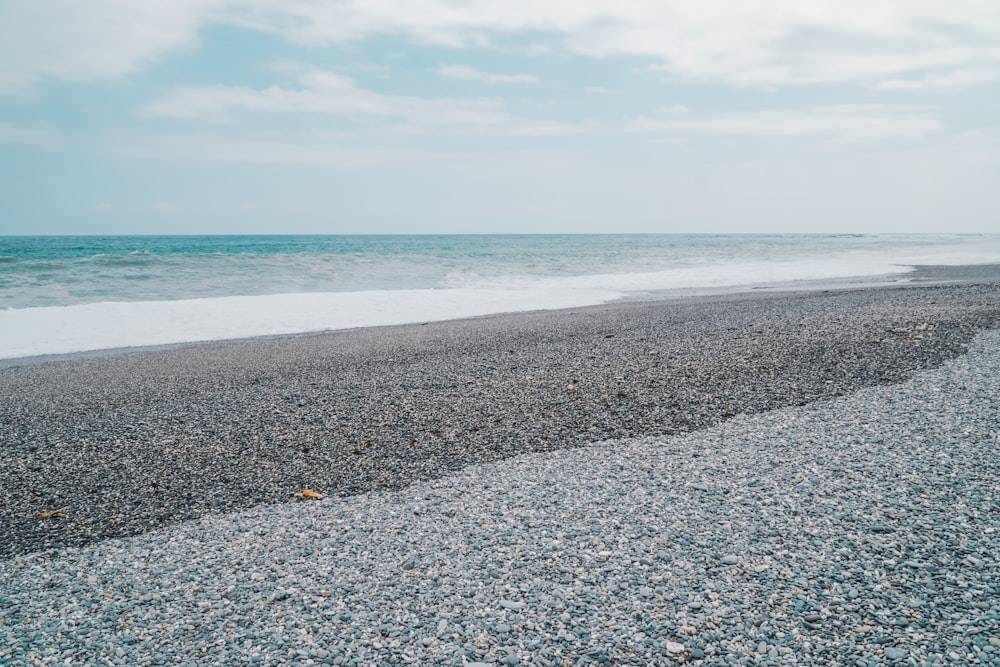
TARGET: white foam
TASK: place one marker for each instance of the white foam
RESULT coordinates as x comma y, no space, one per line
706,276
35,331
28,332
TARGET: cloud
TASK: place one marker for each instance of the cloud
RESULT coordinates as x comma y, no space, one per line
764,44
323,92
472,74
313,149
331,150
73,40
11,133
164,206
735,42
943,82
846,123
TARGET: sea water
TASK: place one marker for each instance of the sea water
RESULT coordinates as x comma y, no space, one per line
62,294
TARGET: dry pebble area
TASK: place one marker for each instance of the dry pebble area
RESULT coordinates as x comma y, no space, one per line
862,530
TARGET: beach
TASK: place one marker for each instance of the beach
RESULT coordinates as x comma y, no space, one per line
418,434
128,441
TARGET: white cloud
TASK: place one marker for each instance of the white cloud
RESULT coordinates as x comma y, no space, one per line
164,206
75,40
838,123
472,74
737,42
948,81
314,149
677,110
322,92
330,150
11,133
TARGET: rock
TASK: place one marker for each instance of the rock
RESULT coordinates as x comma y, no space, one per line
675,647
893,653
729,559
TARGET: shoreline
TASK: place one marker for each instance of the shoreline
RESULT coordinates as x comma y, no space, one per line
912,276
132,441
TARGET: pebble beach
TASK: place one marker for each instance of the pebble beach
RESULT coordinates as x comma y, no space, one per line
763,478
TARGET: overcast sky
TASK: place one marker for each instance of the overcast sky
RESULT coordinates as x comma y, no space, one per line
341,116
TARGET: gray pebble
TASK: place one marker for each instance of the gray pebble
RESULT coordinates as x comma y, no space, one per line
550,545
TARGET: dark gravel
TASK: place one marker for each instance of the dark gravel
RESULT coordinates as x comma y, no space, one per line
123,443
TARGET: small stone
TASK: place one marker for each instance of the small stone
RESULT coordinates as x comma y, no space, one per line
512,660
697,653
893,653
729,559
762,648
698,486
510,604
812,618
995,641
675,647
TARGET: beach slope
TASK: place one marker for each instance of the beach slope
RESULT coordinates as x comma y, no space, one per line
121,443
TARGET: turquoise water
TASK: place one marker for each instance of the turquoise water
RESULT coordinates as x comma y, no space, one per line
69,270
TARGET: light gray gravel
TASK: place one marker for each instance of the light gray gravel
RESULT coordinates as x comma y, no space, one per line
861,530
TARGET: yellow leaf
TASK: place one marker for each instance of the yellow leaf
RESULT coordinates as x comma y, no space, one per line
306,493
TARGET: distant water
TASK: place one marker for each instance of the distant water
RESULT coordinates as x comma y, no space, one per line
73,293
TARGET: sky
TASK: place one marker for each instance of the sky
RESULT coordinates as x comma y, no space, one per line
447,116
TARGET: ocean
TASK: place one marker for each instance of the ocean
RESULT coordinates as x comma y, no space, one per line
62,294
